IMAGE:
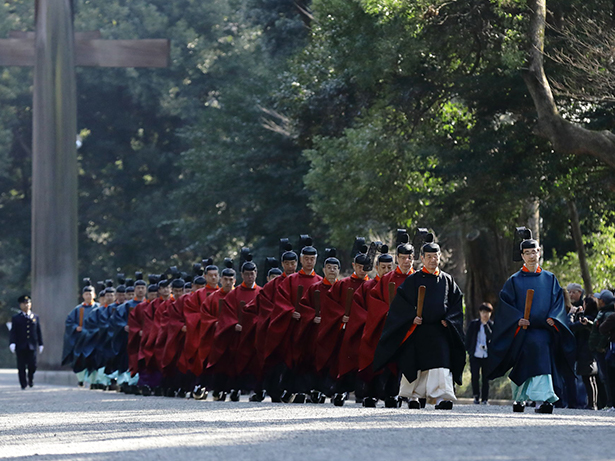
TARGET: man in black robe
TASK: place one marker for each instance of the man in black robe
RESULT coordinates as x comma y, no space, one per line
429,349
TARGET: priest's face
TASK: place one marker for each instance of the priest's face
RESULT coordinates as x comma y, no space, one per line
331,271
177,292
404,262
531,257
120,298
272,276
227,283
212,278
289,267
308,262
109,297
151,295
164,291
140,291
88,296
431,261
359,270
384,268
249,277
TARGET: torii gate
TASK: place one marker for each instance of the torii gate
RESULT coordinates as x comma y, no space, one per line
54,50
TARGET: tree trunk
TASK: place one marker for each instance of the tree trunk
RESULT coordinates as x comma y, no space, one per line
566,137
575,227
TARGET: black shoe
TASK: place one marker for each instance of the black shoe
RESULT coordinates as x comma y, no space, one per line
392,402
518,407
158,391
134,389
181,393
219,396
146,391
338,399
112,387
315,396
546,408
423,402
445,405
275,399
234,396
92,386
30,384
286,397
414,405
257,396
299,398
23,388
370,402
476,400
199,393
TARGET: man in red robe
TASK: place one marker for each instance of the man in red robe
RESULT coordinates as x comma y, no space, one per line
225,350
283,321
263,305
306,334
349,350
210,309
336,312
387,386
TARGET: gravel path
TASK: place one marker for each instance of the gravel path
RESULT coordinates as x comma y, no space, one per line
61,423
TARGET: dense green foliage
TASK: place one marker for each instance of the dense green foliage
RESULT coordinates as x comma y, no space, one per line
331,117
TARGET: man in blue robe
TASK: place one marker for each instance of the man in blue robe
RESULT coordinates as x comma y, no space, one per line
535,353
74,330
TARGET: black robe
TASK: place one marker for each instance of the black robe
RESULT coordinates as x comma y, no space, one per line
431,345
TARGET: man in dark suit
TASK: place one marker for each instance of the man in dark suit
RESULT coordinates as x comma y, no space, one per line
26,340
478,338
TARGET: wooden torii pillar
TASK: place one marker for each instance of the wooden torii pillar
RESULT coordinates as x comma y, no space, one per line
54,50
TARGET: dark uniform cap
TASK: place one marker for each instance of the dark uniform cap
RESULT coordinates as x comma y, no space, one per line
139,278
228,270
23,299
330,257
274,271
306,246
200,280
529,244
178,283
430,247
361,258
385,257
87,285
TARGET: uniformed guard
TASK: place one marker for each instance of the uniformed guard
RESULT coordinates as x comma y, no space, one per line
26,340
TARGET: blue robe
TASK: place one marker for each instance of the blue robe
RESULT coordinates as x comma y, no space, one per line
119,336
541,349
90,343
71,335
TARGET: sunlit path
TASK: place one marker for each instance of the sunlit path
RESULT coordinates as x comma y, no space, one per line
52,422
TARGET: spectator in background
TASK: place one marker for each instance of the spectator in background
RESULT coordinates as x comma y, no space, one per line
598,343
478,337
586,367
576,292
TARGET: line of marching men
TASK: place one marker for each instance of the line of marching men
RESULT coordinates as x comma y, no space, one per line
300,338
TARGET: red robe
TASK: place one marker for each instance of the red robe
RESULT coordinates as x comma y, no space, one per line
377,310
135,325
207,329
173,337
223,355
150,332
306,332
280,333
332,330
192,319
161,323
263,306
349,350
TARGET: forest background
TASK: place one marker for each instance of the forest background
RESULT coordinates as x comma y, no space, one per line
334,118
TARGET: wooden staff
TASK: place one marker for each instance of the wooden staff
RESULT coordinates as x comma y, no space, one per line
81,311
392,289
420,301
348,305
220,304
529,297
242,306
317,302
299,296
